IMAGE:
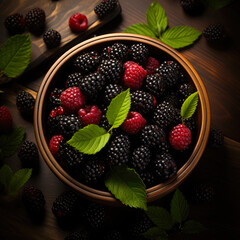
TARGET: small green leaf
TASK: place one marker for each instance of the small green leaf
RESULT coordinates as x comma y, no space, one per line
180,36
192,227
9,143
155,233
1,91
160,217
119,108
218,4
179,207
6,175
15,55
156,18
18,180
126,185
189,106
141,29
90,139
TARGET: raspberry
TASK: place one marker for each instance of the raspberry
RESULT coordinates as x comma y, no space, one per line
55,97
72,99
105,7
134,76
192,7
128,64
78,22
57,111
111,91
90,115
118,51
73,80
52,38
180,137
54,144
5,120
15,24
215,33
79,235
151,65
216,138
133,123
139,53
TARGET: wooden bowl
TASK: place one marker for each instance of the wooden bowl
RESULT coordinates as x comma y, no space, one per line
59,69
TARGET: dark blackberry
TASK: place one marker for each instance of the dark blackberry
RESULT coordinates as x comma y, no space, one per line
155,85
118,151
152,136
112,235
35,20
111,91
141,157
148,178
52,38
118,51
202,192
163,147
25,104
105,55
165,166
141,102
192,7
216,138
163,115
105,7
65,205
87,62
73,80
79,235
139,53
55,97
172,98
184,91
28,154
15,24
215,33
112,70
33,200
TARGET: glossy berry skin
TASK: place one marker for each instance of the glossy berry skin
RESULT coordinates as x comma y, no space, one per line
54,144
72,99
90,115
78,22
215,33
56,112
105,7
180,137
15,24
52,38
5,120
151,65
133,123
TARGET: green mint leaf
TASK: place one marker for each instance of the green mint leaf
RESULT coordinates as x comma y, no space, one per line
15,55
18,180
180,36
179,207
6,175
189,106
160,217
141,29
218,4
1,91
9,143
156,18
192,227
90,139
118,109
126,185
155,233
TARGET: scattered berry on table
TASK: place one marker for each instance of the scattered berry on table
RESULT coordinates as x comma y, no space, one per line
105,7
73,80
78,235
90,115
111,91
54,144
52,38
202,192
78,22
215,33
55,97
15,24
139,53
216,138
151,65
6,120
192,7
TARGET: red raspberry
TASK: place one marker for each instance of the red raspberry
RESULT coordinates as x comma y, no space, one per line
180,137
72,99
56,112
5,120
128,64
133,123
90,115
134,76
151,65
54,144
78,22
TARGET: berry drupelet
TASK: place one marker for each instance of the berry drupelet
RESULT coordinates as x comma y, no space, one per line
139,53
215,34
111,91
118,51
52,38
55,97
15,24
105,7
73,80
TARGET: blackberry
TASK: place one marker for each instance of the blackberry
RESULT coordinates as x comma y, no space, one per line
155,85
112,235
163,147
172,98
87,62
215,33
106,53
216,138
148,178
52,38
111,91
184,91
55,97
141,157
118,51
152,136
35,20
165,166
139,53
163,115
141,102
28,154
15,24
202,192
192,7
33,200
105,7
65,205
79,235
112,70
25,104
73,80
119,150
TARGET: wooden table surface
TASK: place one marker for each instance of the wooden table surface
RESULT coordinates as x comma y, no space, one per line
220,72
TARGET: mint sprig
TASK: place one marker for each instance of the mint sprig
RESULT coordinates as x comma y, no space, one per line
157,27
189,106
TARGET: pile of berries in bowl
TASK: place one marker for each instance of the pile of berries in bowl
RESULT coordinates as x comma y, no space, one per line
153,139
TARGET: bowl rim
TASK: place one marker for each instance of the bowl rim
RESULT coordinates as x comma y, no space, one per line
156,191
